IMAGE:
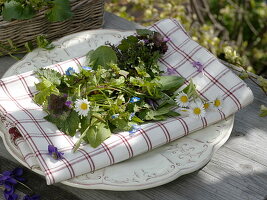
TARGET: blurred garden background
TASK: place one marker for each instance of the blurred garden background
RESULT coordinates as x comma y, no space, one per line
234,30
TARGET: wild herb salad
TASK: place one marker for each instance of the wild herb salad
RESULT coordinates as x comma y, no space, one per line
120,88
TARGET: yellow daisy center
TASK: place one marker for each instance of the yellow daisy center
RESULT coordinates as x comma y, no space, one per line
84,106
206,105
184,99
217,103
197,111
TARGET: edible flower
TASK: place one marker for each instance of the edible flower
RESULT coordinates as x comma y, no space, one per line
82,106
135,128
171,71
131,116
53,151
197,109
217,103
166,39
86,68
134,99
182,100
68,104
70,71
115,116
33,197
198,65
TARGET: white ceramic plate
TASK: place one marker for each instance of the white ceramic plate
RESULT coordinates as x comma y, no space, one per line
151,169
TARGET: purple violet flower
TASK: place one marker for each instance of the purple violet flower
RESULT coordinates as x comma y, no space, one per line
68,104
134,128
53,151
70,71
33,197
134,99
166,39
12,196
9,178
198,65
171,71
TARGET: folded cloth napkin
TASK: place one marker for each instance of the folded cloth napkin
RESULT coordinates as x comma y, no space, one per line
214,80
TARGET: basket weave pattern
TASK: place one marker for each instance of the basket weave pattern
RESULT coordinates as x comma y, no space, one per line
87,14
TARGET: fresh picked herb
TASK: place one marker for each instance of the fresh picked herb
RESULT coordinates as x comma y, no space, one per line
120,88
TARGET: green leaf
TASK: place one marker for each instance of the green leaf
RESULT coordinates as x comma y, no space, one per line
103,56
60,11
144,32
128,43
170,82
12,10
263,111
85,122
72,123
42,42
159,114
45,88
98,133
50,74
67,122
27,12
15,10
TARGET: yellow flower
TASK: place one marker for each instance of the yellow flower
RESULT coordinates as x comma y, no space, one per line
82,107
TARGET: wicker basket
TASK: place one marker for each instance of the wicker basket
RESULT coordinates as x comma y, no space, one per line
87,14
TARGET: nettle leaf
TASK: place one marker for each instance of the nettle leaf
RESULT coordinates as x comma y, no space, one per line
98,133
51,75
60,11
170,82
103,56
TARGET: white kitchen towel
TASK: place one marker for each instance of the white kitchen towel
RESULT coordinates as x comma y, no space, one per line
17,106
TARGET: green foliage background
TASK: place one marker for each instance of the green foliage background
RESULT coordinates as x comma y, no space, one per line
234,30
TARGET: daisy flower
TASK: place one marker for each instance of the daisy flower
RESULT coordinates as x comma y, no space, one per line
197,109
217,103
207,105
82,107
182,100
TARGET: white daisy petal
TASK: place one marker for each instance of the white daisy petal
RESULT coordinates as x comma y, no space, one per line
182,100
197,109
82,107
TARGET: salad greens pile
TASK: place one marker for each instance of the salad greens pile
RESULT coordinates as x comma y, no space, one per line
119,88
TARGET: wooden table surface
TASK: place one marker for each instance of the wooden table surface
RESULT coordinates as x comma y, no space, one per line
237,171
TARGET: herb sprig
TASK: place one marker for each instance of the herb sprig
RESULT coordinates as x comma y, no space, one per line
119,88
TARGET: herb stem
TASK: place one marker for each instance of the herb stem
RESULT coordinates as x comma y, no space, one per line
99,118
78,143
